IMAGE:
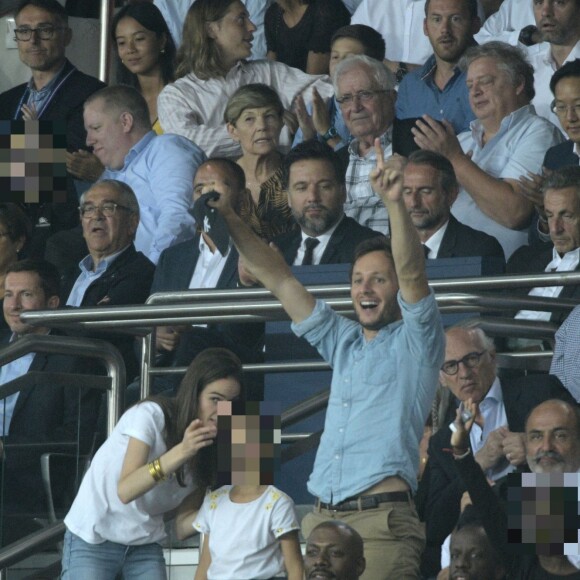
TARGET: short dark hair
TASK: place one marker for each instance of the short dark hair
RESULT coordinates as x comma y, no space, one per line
356,538
471,5
47,272
372,41
562,178
51,6
123,98
312,150
150,17
16,222
370,245
570,69
447,177
235,171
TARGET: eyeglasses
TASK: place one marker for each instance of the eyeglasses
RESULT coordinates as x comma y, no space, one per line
470,360
107,209
362,96
43,32
561,109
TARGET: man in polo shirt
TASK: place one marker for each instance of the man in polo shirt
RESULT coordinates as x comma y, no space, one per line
438,87
367,459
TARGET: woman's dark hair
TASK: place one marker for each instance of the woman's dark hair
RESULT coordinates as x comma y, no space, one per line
16,223
208,366
150,17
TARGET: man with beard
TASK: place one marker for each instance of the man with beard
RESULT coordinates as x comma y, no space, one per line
326,235
558,24
429,190
438,87
367,460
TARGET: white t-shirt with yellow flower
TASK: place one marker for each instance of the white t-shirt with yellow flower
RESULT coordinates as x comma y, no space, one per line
243,539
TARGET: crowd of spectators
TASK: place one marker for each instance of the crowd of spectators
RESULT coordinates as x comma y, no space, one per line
239,139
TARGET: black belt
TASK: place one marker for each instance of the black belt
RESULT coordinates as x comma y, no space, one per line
367,502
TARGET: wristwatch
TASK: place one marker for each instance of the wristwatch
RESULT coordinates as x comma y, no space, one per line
526,34
330,134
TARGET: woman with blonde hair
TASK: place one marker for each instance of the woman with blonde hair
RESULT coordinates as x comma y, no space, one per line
211,65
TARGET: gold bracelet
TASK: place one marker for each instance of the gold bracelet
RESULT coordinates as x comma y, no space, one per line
159,470
153,472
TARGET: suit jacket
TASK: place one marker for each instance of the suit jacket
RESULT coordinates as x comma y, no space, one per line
340,248
47,414
126,281
67,106
533,260
561,155
173,273
461,241
441,485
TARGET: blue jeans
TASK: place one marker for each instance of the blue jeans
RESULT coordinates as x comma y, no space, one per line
84,561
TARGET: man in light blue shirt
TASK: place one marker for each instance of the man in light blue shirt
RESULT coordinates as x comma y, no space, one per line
159,168
438,87
385,371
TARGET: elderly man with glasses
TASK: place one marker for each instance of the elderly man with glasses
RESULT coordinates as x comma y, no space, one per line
497,437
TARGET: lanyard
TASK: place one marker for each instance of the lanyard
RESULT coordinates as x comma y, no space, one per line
48,101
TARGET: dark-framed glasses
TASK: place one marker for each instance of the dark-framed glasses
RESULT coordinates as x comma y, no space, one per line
470,360
108,209
43,32
362,96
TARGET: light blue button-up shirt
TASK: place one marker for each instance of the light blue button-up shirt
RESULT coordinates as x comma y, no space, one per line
160,169
88,276
381,394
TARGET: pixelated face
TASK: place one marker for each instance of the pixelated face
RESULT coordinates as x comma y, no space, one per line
342,48
106,134
373,290
257,130
315,196
492,95
468,382
450,28
139,49
370,118
233,34
472,556
330,554
249,441
558,21
23,291
426,201
42,55
552,440
562,207
107,235
567,94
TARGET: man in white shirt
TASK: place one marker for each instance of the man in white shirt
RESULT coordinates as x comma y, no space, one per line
506,141
562,207
558,24
512,23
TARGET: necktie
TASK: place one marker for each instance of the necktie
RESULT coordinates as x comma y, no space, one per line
426,251
309,244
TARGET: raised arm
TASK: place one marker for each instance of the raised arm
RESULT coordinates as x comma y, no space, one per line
387,182
263,262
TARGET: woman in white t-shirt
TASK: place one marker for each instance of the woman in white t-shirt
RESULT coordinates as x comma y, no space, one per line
158,458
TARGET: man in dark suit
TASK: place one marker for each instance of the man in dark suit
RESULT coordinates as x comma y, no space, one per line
562,207
314,179
55,92
52,415
469,371
429,190
565,84
199,263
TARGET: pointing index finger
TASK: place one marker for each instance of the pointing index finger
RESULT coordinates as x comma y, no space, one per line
379,153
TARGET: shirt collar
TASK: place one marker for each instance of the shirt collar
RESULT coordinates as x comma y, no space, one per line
434,242
385,138
322,238
138,147
86,264
495,392
569,257
509,120
51,83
